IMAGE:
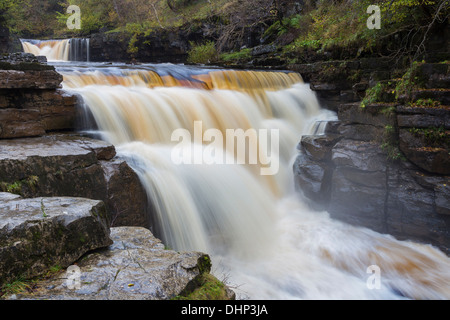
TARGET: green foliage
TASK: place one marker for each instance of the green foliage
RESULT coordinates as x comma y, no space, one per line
23,285
32,17
390,144
344,23
433,137
132,48
6,5
207,288
411,80
243,55
281,27
203,53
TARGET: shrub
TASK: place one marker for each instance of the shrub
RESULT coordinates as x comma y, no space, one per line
203,53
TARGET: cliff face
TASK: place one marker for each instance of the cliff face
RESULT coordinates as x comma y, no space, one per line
385,165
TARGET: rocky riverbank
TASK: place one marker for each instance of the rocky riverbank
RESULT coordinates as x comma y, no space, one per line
65,196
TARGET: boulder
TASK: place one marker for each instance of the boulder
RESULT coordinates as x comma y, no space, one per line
42,233
135,267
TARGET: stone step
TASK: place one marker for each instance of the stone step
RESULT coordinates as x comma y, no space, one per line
426,148
74,166
436,75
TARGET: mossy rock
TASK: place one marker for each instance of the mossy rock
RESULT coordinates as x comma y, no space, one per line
207,287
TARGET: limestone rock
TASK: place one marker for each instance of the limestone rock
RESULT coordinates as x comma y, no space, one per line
126,197
40,233
135,267
59,165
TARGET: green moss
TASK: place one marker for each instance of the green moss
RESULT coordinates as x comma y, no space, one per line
32,182
426,103
204,264
208,287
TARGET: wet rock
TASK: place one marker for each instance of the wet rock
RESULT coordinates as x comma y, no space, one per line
57,165
40,233
126,197
421,152
361,155
417,117
75,166
312,179
263,49
372,114
17,79
29,113
135,267
31,103
318,147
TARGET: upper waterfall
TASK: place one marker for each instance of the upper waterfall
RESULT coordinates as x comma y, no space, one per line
59,50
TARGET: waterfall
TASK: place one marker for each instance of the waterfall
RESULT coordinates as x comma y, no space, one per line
59,50
259,233
79,49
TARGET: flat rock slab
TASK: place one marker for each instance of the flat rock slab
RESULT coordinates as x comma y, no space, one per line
56,165
135,267
42,233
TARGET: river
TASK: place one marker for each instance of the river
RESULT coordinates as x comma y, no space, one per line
214,149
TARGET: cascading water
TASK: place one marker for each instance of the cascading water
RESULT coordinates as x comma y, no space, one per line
259,233
59,50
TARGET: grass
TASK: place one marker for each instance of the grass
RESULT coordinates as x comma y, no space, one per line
23,285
